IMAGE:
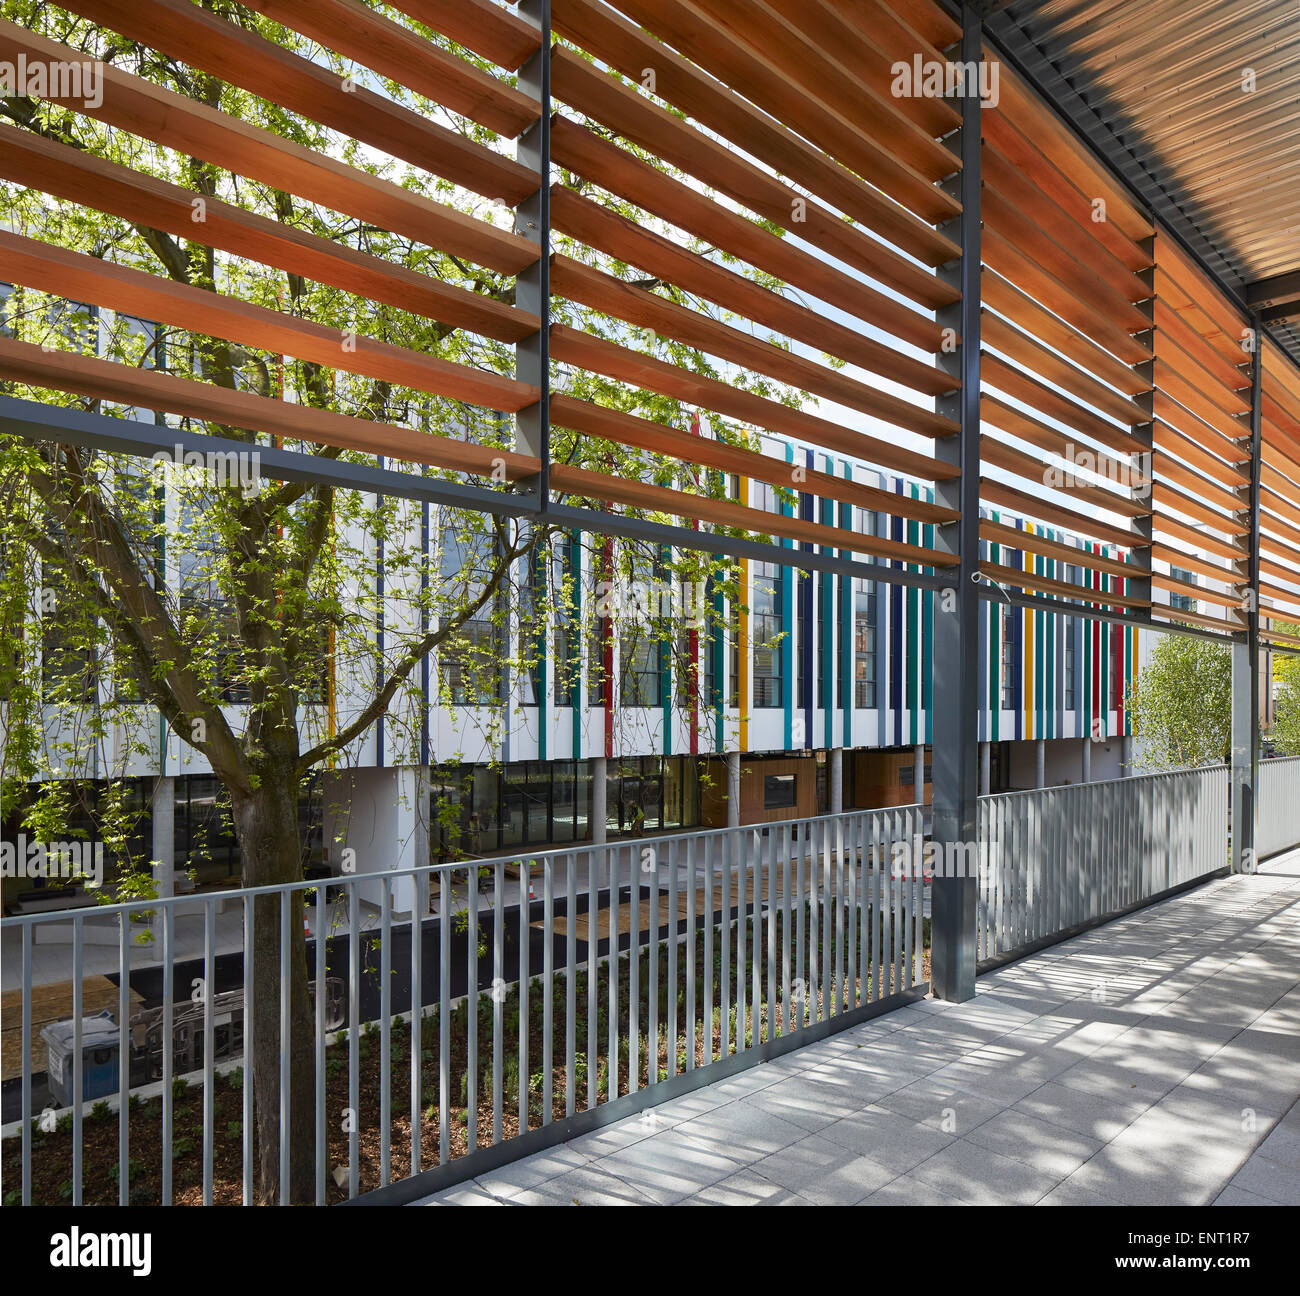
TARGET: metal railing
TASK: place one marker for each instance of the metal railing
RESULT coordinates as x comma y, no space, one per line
1277,827
531,998
1057,858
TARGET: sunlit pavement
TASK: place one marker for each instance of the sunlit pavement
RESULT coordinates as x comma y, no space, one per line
1152,1061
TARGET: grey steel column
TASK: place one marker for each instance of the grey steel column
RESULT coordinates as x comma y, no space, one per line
1245,647
955,775
533,222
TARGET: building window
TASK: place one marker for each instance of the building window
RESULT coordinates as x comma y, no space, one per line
1009,664
641,658
470,659
778,791
1071,695
864,644
766,627
1182,602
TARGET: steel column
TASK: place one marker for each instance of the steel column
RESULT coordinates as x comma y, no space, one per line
956,617
1245,646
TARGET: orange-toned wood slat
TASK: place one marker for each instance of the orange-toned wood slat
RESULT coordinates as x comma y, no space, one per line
1169,499
408,58
1024,387
868,47
57,169
615,169
1282,594
571,346
242,57
1276,569
1174,585
144,109
84,375
1169,411
1171,469
1069,191
1031,542
1225,397
88,279
1172,616
628,48
1287,487
659,438
1193,562
1187,451
1053,138
694,33
581,283
1003,217
1181,283
1177,326
596,94
584,483
1017,264
1025,504
1279,505
487,28
1004,297
1284,374
1278,539
1197,537
1193,398
616,236
1276,636
1051,365
1035,472
925,16
1029,580
807,59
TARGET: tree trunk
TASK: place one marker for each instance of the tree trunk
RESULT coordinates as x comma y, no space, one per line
266,822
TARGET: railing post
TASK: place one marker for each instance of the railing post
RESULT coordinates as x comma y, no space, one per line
1245,644
956,619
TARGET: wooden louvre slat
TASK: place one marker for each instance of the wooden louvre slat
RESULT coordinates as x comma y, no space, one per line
1169,499
1174,585
66,172
646,434
1009,222
571,346
1278,539
1183,284
869,45
1224,397
1017,265
1188,451
1171,469
1051,136
483,26
596,94
412,60
1082,525
629,49
1030,580
1004,297
78,277
1164,524
1194,399
591,287
925,16
109,380
600,162
1172,616
1193,562
1276,569
1180,418
813,65
618,237
1279,505
1026,388
204,40
584,483
147,110
1051,365
696,34
1032,542
1282,594
1078,204
1037,212
1034,471
1174,325
1278,637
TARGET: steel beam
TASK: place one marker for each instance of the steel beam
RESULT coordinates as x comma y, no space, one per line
1245,649
956,614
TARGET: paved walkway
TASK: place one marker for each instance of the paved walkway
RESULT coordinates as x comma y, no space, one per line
1152,1061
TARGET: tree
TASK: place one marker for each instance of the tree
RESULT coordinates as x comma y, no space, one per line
1286,716
131,591
1180,703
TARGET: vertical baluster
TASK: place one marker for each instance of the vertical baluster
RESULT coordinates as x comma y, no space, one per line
570,981
209,1043
246,1088
691,893
286,1044
78,1063
674,929
444,1015
26,1051
525,1005
123,1056
548,991
635,858
785,840
168,1045
498,994
420,886
593,999
726,891
471,1008
385,1031
615,922
708,947
322,1001
354,1035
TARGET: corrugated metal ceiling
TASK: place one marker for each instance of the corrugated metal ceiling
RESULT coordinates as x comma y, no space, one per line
1161,88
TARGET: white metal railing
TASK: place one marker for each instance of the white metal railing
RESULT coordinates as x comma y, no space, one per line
1058,857
514,1005
1277,799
